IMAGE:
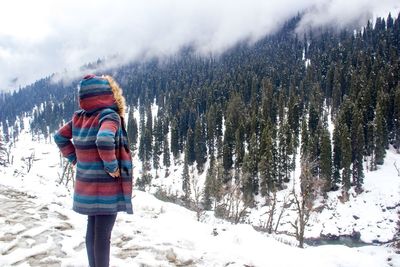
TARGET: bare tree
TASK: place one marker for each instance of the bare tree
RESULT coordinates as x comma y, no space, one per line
397,168
271,212
285,204
197,197
2,152
29,161
5,153
269,224
233,207
310,186
67,174
397,235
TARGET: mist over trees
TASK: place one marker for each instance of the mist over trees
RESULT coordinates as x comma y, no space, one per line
250,111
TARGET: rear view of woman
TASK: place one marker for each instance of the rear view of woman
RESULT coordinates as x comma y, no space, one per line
95,140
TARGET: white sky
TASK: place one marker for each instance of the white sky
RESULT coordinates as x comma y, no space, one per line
38,38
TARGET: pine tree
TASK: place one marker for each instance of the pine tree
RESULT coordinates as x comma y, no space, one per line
148,134
336,90
239,146
189,150
210,187
147,144
142,146
281,103
132,130
267,163
220,148
337,153
248,179
314,150
283,153
166,152
200,146
380,135
329,85
174,139
313,118
345,141
211,128
384,102
186,178
218,121
213,183
227,149
358,169
294,117
326,157
234,115
158,142
357,133
268,105
397,118
304,138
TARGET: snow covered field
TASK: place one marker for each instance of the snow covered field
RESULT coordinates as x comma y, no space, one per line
38,227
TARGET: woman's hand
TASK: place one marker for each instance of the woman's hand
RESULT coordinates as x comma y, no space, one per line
115,174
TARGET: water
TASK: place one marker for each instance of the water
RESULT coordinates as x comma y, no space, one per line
349,241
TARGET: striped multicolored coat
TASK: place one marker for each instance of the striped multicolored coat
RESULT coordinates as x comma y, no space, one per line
96,140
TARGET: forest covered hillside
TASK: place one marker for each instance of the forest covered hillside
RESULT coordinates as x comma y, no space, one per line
244,118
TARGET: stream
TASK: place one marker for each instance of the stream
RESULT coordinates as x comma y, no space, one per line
346,240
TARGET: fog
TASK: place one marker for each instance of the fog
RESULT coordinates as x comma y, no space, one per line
38,38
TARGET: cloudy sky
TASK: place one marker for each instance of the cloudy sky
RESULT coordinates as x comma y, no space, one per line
38,38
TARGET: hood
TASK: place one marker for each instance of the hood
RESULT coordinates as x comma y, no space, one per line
95,93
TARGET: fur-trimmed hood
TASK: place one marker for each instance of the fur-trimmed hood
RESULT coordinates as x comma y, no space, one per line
95,93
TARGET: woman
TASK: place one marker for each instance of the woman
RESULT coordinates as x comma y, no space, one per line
96,141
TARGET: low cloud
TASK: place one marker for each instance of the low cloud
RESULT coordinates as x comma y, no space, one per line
47,36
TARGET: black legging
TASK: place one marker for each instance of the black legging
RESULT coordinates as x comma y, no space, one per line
98,236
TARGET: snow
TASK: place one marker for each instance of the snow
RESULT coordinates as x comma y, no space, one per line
369,212
38,227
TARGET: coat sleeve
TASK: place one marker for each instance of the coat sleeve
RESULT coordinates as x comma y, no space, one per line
63,140
105,141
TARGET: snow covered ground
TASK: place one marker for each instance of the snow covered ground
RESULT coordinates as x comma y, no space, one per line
38,227
370,215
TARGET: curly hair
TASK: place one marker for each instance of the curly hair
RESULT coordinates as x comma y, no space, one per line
119,98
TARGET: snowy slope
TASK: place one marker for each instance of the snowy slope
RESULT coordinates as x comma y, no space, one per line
38,228
371,213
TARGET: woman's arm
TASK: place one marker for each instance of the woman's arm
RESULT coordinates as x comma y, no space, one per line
105,142
63,140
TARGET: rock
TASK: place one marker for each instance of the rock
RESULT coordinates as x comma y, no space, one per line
171,256
64,226
356,217
215,232
355,235
185,263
